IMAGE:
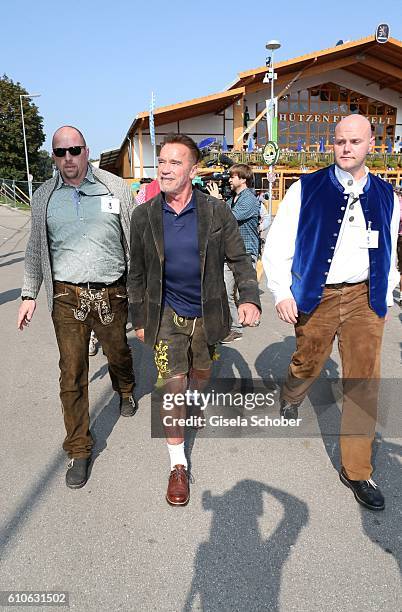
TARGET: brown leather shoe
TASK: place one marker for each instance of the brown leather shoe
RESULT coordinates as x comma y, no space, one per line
178,491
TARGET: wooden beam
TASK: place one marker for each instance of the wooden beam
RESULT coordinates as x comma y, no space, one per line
126,169
381,66
324,53
390,83
222,95
317,69
141,155
238,124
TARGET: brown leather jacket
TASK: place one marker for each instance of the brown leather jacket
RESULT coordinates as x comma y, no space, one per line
218,239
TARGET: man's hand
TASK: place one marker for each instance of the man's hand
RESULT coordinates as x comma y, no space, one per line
25,313
287,310
140,334
248,314
213,190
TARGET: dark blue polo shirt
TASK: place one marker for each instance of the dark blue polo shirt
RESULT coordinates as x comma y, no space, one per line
182,278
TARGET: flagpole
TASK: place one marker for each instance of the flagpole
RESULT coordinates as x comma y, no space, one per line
271,46
152,128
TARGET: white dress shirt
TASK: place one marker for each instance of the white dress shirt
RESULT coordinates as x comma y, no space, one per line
349,263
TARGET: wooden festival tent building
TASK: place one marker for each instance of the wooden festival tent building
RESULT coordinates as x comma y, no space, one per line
314,91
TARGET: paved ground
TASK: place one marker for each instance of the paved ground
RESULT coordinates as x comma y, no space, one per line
269,525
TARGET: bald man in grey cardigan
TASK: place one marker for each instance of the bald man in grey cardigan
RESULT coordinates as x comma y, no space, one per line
79,249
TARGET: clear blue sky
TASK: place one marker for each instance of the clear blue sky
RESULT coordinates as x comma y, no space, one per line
95,63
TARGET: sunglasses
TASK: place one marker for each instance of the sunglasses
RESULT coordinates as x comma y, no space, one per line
61,151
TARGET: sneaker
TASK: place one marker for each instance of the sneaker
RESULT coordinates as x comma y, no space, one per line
232,337
128,406
92,348
77,473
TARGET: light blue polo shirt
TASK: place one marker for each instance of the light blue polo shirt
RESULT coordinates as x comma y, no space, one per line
85,243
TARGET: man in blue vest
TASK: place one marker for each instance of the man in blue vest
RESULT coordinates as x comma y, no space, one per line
330,263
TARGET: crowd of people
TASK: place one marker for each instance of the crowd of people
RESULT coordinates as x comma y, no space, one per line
182,263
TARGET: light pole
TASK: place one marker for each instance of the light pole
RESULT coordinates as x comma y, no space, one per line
270,77
25,141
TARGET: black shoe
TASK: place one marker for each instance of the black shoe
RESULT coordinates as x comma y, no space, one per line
289,411
128,406
366,492
77,473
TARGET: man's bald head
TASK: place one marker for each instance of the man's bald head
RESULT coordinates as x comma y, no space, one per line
353,139
354,123
67,130
73,168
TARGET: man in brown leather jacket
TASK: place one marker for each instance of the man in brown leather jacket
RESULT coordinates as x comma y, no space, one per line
179,242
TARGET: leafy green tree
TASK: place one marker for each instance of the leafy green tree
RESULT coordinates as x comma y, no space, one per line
12,155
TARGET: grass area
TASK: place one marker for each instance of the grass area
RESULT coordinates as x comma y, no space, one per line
12,204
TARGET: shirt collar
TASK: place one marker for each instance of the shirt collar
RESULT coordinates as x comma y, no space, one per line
189,206
349,183
89,177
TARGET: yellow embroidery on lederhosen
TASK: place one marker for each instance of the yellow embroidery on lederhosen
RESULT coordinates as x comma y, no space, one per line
215,356
161,357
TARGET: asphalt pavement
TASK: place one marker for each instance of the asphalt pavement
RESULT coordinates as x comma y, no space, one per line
269,525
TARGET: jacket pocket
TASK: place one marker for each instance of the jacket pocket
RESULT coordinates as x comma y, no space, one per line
215,234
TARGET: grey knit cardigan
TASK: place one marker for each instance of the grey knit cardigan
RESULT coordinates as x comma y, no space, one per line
37,258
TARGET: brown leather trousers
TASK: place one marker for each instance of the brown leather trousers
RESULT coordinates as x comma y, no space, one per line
77,311
345,313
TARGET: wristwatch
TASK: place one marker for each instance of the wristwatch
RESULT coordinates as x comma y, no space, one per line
26,297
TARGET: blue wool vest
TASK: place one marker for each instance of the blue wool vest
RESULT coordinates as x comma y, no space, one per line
321,215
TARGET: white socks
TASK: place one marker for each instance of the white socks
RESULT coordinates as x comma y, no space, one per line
177,455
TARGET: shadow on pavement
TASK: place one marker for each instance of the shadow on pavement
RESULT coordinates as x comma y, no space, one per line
9,296
237,569
145,370
10,253
11,261
273,362
384,528
231,364
102,425
38,489
272,366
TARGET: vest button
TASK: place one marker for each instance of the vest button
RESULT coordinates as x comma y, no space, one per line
351,218
335,235
333,248
346,198
342,208
322,285
339,220
329,260
320,296
325,273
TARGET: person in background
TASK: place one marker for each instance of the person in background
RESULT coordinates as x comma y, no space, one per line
245,207
147,191
93,341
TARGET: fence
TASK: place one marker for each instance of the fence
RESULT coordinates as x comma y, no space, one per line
16,193
307,159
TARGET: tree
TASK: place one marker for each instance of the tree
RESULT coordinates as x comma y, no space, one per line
12,155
